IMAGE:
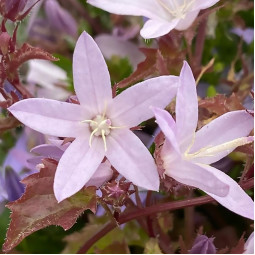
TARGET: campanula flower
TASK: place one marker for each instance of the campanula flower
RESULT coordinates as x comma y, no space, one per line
100,124
187,154
164,15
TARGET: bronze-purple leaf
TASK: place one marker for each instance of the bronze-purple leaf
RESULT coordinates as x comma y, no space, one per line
38,207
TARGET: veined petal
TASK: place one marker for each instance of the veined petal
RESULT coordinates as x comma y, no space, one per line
236,200
102,175
52,117
167,125
185,23
48,150
194,175
226,128
131,107
210,155
77,166
186,108
203,4
148,8
157,28
131,158
92,82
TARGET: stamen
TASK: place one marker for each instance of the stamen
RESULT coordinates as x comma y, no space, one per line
88,121
104,139
176,10
91,136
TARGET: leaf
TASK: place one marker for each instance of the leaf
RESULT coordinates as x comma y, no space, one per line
25,53
221,104
38,208
152,247
165,60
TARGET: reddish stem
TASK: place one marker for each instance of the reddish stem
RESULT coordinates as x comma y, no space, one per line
169,206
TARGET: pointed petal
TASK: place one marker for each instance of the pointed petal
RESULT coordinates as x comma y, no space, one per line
91,77
194,175
185,23
167,125
148,8
186,108
77,166
48,151
212,154
131,107
224,129
131,158
157,28
236,200
52,117
203,4
102,175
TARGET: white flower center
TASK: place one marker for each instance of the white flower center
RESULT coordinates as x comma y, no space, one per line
100,126
177,8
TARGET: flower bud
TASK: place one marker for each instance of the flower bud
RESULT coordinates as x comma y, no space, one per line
203,245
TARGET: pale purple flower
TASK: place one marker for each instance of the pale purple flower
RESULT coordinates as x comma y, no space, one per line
100,124
57,149
247,34
48,76
164,15
11,182
187,154
111,45
59,18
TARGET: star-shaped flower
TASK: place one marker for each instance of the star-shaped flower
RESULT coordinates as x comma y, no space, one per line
187,154
164,15
100,124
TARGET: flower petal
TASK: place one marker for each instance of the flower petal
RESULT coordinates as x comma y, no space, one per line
236,200
185,23
212,154
92,82
48,150
148,8
157,28
186,108
167,125
131,158
52,117
131,107
102,175
195,175
224,129
77,166
203,4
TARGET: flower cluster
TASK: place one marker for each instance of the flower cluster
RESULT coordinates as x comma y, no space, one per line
90,149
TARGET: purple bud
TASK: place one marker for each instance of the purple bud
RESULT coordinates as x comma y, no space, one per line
16,9
14,188
59,18
203,245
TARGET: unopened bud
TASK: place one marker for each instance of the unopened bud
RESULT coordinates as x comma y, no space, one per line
203,245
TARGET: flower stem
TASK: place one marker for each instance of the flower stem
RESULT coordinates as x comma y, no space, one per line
142,212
